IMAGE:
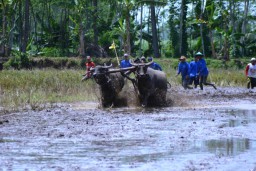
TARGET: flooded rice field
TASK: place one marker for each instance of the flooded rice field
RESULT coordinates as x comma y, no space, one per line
200,130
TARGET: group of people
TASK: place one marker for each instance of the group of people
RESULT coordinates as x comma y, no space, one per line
195,72
123,64
127,63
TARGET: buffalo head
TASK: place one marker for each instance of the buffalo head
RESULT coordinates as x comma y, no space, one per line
100,73
141,69
110,83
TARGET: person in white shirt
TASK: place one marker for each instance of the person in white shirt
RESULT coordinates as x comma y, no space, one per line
250,72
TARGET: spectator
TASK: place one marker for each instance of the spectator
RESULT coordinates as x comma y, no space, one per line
154,65
250,72
202,71
183,69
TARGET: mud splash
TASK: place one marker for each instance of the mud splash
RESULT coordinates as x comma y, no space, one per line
202,130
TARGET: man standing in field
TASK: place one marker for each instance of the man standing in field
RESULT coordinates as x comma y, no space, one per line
203,71
183,69
250,72
193,74
89,64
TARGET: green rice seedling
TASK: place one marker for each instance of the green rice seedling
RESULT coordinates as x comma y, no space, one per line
232,77
37,87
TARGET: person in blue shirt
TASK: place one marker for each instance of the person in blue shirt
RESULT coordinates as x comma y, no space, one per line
183,69
154,65
203,71
125,62
193,74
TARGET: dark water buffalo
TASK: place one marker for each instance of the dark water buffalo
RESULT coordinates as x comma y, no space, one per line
151,84
110,82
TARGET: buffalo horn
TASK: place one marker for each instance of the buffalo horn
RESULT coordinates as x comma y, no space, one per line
109,66
121,69
141,64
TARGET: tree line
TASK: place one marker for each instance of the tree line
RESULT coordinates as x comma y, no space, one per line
159,28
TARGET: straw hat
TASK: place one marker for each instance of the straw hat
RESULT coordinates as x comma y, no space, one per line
182,58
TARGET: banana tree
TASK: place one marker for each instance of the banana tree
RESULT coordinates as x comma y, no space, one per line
213,20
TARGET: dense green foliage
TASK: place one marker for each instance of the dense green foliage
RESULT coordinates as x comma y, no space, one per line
168,28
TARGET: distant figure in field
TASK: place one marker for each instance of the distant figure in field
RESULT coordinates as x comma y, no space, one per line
183,69
202,71
154,65
125,62
193,73
250,72
89,64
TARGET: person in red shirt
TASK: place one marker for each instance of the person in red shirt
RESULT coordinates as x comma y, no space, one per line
250,72
89,64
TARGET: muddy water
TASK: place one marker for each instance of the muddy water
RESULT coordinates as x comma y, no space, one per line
82,137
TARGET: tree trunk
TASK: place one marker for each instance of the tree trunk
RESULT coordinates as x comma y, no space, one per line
232,18
95,28
3,36
244,25
81,39
182,34
201,29
127,47
141,15
174,36
226,49
154,32
35,27
212,44
4,22
26,27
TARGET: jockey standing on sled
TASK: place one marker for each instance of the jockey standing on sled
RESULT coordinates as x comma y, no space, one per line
89,64
125,63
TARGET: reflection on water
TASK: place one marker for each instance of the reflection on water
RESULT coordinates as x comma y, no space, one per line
116,153
228,147
241,117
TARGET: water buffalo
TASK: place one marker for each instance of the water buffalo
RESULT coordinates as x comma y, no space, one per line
110,82
151,84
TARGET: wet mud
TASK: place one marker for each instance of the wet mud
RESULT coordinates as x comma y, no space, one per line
198,130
